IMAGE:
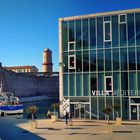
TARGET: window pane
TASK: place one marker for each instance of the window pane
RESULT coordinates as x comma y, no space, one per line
71,46
72,85
138,28
71,31
138,58
65,62
78,34
64,36
100,82
92,34
116,83
124,82
131,35
115,59
122,18
125,108
79,61
108,60
99,32
100,60
132,82
86,84
107,18
132,61
139,82
115,39
93,84
108,84
85,34
92,60
123,56
79,85
107,32
123,37
65,85
85,61
71,62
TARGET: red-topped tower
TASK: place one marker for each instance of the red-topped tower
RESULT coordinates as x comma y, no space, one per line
47,61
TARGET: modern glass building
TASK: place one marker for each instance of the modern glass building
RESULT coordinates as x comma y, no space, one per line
100,64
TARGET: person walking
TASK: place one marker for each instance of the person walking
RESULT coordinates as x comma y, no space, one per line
67,117
70,120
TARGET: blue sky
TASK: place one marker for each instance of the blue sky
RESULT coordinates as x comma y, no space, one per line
29,26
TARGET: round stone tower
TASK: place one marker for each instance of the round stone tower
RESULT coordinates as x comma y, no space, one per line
47,61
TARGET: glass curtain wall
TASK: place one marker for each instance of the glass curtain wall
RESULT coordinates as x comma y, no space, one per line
102,46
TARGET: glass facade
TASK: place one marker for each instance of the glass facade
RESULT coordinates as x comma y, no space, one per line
101,62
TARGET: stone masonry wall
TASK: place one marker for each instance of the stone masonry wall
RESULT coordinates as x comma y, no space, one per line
29,85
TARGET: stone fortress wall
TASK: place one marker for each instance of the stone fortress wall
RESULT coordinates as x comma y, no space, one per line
26,85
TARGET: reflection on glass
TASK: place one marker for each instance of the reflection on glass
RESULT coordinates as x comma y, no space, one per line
123,56
138,83
132,83
92,34
123,35
85,61
131,35
124,82
116,83
79,85
85,34
100,60
137,18
132,61
115,38
65,62
78,34
93,84
72,84
107,31
92,60
138,58
71,31
64,36
78,61
100,32
65,85
108,60
86,84
115,59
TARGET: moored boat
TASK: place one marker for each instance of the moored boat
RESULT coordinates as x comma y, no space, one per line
11,109
10,104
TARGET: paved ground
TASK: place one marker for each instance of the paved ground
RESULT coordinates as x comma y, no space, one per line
20,129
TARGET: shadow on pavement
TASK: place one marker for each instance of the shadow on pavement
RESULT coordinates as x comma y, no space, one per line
9,131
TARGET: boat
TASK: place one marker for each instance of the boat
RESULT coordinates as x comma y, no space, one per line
10,104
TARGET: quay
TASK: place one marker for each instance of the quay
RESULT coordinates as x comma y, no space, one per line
20,129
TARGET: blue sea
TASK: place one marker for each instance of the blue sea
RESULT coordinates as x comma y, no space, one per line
43,107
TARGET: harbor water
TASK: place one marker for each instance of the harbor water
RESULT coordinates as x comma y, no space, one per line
43,107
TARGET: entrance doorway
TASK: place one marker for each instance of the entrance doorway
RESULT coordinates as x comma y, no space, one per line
80,110
134,103
135,112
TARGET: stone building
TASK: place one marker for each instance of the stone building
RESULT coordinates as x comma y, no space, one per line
22,69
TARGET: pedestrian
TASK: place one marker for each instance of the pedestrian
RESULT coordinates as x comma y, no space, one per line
70,120
49,115
67,117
